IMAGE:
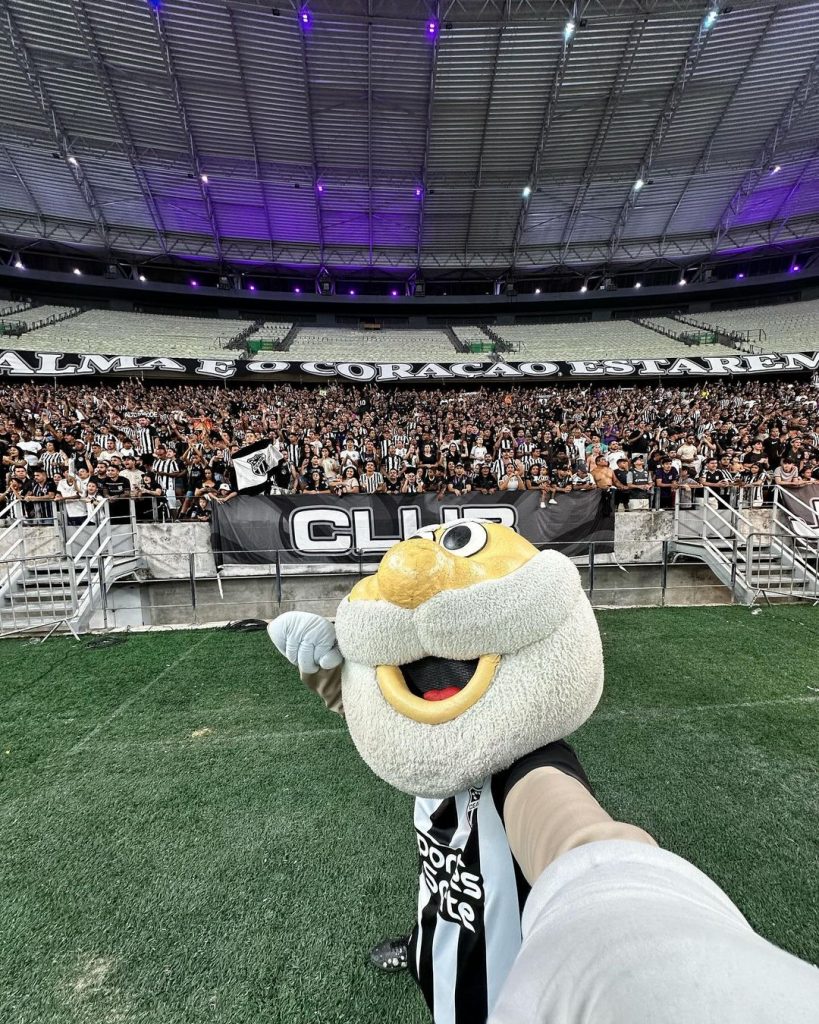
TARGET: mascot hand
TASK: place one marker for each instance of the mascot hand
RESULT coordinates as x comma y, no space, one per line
306,640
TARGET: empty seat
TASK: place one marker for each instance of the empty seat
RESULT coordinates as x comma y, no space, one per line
140,334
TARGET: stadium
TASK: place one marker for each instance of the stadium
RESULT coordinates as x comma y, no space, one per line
420,339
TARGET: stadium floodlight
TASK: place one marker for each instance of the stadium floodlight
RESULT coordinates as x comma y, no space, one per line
537,291
18,265
251,287
352,291
569,29
527,191
142,278
740,276
297,290
194,284
77,271
432,28
683,281
638,284
584,288
776,169
795,268
394,293
639,184
203,178
418,192
306,18
319,187
73,161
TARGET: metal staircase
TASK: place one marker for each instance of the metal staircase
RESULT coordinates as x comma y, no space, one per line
753,564
47,592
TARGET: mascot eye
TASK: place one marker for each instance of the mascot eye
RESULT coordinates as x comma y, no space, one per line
465,539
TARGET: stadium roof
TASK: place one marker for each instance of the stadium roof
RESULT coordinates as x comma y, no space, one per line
404,134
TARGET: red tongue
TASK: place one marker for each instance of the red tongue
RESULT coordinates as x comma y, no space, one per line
444,694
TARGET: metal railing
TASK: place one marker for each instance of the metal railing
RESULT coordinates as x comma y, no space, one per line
52,590
777,562
795,573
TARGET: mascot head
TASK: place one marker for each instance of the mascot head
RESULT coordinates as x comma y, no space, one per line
466,650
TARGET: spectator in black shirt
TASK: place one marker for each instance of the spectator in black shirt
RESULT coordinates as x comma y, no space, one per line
623,477
714,477
315,483
484,481
117,489
665,480
201,512
458,483
151,504
39,497
392,482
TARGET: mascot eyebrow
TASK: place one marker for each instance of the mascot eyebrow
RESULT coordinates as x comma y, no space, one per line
460,666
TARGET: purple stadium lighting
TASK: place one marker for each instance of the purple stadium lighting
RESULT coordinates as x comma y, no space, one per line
352,291
194,284
251,287
319,187
419,192
394,293
297,290
776,169
740,276
306,18
795,268
155,4
432,28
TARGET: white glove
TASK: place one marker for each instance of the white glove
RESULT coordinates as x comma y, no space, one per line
306,640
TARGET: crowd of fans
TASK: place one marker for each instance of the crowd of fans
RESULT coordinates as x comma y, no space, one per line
170,448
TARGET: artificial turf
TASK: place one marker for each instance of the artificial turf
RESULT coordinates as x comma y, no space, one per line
186,835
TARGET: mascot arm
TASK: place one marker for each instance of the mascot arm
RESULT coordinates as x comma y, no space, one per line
309,642
549,812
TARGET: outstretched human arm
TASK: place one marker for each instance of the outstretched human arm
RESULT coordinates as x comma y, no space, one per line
308,641
547,813
619,931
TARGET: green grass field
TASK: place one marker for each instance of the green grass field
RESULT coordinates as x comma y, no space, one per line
186,835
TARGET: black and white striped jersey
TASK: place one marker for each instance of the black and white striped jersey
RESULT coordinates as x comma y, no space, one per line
370,484
162,469
143,438
471,893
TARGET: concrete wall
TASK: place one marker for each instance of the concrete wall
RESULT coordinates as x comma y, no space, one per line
162,593
167,547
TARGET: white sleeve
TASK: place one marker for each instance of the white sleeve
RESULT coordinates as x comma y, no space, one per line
624,933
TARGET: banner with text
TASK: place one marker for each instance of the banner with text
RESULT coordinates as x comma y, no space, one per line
70,365
258,529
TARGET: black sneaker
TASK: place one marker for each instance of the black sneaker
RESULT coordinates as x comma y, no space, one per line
390,955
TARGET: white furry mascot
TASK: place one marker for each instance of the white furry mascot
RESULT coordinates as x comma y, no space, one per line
459,666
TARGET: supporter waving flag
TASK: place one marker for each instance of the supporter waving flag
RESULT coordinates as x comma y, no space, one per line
253,465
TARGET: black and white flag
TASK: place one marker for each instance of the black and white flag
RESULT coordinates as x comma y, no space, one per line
253,465
798,510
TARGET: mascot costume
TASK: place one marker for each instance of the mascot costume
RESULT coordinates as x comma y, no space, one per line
459,667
